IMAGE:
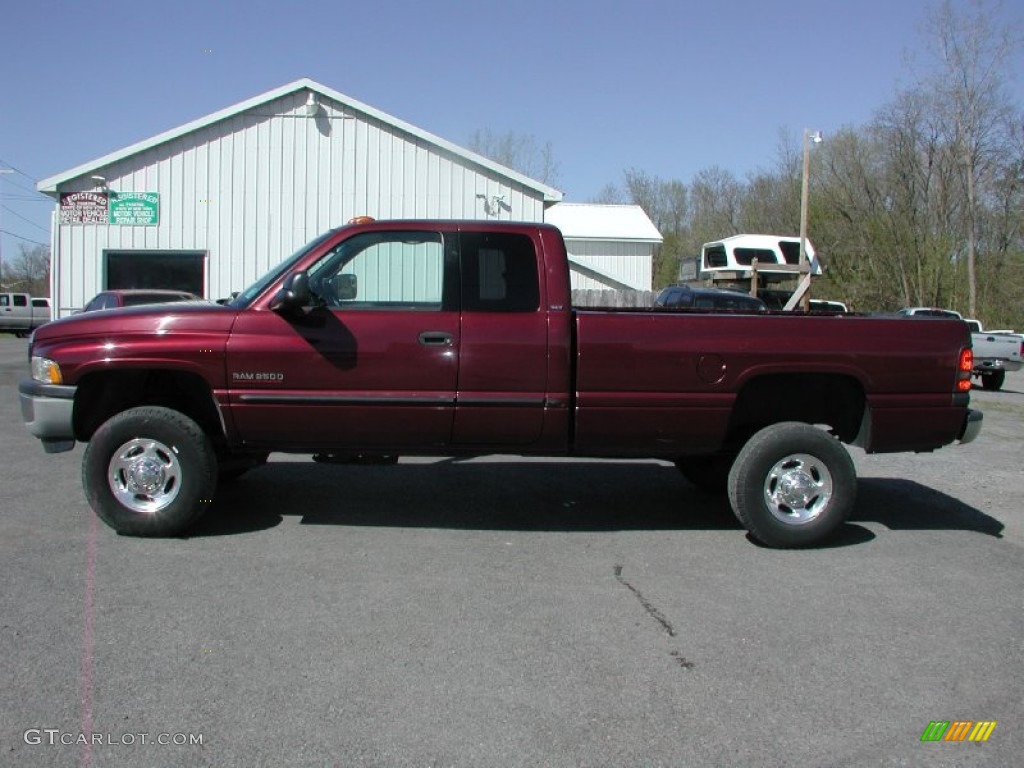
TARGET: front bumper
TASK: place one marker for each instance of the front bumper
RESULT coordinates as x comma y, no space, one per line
971,427
47,411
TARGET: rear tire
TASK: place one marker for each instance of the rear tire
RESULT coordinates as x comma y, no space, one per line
993,381
149,471
792,485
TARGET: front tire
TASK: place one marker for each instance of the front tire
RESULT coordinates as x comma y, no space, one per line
792,485
149,471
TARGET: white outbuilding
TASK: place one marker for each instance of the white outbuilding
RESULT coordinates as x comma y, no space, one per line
610,246
211,205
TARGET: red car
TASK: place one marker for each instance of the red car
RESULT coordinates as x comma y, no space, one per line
135,297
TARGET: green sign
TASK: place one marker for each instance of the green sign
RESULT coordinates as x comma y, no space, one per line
135,209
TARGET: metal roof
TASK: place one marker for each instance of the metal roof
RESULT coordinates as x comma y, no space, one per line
587,221
51,184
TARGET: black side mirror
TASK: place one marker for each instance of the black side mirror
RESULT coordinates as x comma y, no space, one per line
294,293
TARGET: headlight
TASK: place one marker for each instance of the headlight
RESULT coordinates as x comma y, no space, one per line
45,370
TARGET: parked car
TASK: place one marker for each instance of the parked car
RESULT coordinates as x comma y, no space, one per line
21,313
708,298
776,299
828,305
135,297
928,312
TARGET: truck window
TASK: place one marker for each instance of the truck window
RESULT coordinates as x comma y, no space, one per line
714,256
382,270
20,300
746,256
41,303
790,251
5,300
499,273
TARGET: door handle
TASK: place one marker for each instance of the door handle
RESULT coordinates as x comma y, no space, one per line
435,339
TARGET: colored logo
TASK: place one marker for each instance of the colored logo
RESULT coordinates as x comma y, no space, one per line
958,730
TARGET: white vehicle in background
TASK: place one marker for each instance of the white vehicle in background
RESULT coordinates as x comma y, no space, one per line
20,313
777,257
995,352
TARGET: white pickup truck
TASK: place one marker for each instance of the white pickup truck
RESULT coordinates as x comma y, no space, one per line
995,352
20,313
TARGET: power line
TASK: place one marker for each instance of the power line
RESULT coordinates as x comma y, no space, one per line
17,171
27,240
27,221
21,173
25,188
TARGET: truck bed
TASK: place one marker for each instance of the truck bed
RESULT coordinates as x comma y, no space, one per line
673,383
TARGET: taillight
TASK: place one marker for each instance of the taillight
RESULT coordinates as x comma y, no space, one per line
964,368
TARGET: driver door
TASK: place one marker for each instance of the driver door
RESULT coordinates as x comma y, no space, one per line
373,366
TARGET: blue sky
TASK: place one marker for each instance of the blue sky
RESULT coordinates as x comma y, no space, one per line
660,86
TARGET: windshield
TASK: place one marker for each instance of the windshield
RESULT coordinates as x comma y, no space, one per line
245,297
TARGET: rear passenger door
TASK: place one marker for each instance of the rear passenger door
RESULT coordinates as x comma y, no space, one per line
503,369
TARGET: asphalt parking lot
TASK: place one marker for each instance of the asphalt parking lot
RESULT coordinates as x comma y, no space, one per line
511,612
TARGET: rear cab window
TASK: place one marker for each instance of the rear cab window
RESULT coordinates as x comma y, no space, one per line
499,272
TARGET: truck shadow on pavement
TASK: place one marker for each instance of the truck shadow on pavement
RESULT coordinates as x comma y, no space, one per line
518,495
904,505
451,493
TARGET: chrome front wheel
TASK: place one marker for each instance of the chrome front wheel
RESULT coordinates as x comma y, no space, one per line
149,471
145,475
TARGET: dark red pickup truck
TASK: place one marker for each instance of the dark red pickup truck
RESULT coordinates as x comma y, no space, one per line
454,338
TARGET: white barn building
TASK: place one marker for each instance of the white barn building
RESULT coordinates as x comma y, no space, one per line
211,205
610,246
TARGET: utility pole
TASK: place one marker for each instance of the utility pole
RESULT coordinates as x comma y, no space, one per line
803,291
2,171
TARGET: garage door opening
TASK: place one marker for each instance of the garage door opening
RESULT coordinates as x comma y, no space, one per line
176,270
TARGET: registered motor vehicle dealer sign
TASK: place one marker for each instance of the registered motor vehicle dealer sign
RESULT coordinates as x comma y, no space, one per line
83,208
135,209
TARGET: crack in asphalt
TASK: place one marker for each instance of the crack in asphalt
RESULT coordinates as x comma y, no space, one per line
681,660
655,614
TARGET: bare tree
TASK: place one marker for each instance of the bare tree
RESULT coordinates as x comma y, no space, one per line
518,151
29,271
974,52
610,194
715,200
